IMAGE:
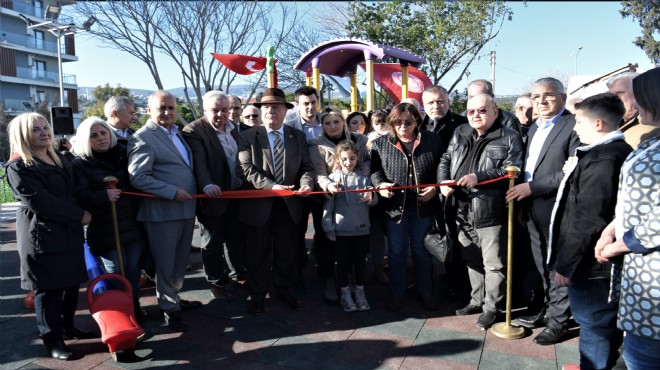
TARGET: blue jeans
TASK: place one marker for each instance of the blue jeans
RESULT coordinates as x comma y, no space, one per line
131,257
641,353
599,337
409,232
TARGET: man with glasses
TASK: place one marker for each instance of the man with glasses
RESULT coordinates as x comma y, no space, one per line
251,118
477,87
120,114
479,151
551,140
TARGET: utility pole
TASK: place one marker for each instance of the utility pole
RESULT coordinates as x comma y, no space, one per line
492,69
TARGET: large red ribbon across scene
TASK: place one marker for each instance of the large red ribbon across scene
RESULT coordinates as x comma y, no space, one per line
260,193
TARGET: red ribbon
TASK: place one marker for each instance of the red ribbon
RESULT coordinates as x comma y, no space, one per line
261,193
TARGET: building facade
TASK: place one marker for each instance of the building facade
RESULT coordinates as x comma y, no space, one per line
29,70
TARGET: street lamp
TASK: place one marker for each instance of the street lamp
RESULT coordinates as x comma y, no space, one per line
59,29
576,55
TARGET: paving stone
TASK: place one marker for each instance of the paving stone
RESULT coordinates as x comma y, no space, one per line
522,347
497,361
425,363
402,324
567,353
448,345
22,351
299,353
377,349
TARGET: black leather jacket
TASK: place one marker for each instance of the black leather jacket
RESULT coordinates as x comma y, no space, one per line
390,165
503,148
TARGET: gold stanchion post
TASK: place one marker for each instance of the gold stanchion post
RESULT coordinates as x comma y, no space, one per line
111,182
504,329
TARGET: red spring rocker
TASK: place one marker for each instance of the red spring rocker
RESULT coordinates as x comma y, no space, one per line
113,312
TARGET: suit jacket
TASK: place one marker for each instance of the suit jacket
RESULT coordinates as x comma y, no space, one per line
548,172
256,160
156,167
210,163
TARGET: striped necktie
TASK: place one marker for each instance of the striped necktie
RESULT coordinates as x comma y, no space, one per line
278,158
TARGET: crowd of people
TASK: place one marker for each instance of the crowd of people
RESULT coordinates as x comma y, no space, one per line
586,204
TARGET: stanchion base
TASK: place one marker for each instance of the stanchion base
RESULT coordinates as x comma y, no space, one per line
502,330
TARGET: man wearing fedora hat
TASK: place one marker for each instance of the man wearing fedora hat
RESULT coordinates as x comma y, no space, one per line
273,157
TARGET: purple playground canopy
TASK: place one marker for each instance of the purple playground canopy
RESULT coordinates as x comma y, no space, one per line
340,56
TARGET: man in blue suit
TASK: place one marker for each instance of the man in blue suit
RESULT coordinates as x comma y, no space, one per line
551,140
160,163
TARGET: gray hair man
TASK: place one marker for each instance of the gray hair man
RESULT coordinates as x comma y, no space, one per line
213,140
634,132
477,87
120,114
479,151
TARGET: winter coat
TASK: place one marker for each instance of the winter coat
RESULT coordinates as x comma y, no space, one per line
322,155
636,283
503,147
585,206
389,164
345,214
92,195
49,234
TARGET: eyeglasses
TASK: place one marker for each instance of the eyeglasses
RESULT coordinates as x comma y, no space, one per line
546,96
251,116
472,112
404,123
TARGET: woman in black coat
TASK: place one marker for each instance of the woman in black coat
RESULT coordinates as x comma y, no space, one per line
407,156
49,229
98,156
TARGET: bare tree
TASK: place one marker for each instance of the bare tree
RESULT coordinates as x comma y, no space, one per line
188,32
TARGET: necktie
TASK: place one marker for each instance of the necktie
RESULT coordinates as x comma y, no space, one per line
278,158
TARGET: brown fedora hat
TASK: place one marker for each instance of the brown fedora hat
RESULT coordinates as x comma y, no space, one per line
273,96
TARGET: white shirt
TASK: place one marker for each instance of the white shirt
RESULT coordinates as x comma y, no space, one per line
173,134
534,147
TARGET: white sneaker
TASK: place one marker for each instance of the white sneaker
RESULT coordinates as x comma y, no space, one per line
361,298
347,300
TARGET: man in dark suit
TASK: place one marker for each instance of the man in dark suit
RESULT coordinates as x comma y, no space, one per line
160,163
213,140
120,114
551,140
273,157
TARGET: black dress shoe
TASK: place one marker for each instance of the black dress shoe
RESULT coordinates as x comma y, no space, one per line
532,321
75,333
257,306
175,321
58,350
429,303
550,335
186,305
221,293
470,309
293,302
486,319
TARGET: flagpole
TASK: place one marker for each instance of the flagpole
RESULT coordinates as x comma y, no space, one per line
270,67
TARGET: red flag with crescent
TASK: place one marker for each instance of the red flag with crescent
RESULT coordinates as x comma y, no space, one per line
241,64
388,77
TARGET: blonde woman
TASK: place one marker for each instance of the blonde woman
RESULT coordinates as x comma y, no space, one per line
49,230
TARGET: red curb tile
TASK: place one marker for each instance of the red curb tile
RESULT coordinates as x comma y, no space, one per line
463,324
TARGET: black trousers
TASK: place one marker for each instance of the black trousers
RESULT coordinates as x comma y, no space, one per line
351,255
556,297
273,245
54,310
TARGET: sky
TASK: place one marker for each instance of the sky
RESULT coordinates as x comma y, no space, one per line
541,40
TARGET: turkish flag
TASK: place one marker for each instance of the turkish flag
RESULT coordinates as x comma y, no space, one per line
241,64
388,76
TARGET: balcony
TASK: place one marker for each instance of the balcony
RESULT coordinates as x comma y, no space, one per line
19,105
46,76
24,42
22,7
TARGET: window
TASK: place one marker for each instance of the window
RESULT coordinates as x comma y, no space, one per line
39,69
41,96
38,39
38,8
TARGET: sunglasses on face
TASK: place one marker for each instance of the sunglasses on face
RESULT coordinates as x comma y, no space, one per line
404,123
251,116
471,112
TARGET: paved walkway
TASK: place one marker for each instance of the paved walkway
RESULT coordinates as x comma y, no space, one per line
223,335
